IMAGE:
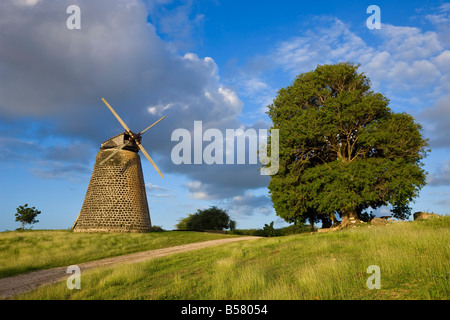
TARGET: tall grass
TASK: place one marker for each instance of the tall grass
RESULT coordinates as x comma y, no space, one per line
40,249
413,258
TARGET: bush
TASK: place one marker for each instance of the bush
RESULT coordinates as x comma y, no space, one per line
270,231
295,229
156,229
249,232
208,219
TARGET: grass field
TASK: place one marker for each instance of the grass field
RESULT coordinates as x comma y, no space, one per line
26,251
413,258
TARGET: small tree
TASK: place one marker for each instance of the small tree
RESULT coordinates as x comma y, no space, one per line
269,230
208,219
26,215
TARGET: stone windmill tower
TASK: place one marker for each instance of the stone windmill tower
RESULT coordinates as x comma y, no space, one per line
116,200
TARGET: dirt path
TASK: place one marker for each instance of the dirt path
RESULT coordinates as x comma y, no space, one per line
25,282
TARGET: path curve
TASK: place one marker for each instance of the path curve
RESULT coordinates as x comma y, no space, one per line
25,282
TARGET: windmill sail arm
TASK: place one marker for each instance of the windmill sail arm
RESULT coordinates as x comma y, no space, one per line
151,125
149,159
117,117
115,151
135,137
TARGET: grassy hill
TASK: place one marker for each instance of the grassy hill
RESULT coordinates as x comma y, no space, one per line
24,251
413,258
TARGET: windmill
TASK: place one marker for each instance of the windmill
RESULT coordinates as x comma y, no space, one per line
116,200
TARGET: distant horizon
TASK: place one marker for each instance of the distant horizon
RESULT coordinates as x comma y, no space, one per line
317,225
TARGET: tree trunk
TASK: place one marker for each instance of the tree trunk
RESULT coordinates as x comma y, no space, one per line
311,225
349,218
23,225
336,222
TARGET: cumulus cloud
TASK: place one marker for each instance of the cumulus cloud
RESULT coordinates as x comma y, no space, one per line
25,2
442,177
331,35
441,19
57,73
405,59
158,191
59,170
58,76
250,204
55,76
177,24
57,161
442,61
409,43
407,65
436,120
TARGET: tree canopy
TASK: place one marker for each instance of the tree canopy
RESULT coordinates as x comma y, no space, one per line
342,150
212,218
26,215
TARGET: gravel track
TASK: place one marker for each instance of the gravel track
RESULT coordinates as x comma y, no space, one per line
11,286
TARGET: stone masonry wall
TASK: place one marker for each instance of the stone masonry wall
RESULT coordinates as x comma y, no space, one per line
116,200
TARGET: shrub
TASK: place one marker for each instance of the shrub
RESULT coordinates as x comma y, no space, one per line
208,219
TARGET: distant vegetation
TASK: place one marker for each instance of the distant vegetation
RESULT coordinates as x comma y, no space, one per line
270,231
216,219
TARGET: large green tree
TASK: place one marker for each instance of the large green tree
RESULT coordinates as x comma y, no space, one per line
342,149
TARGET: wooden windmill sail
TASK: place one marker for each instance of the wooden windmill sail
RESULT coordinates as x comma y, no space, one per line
116,200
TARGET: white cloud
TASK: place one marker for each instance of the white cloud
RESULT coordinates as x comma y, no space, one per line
259,90
406,64
436,120
442,61
231,97
420,73
195,191
177,24
60,75
445,7
404,60
152,110
331,42
194,184
250,204
26,2
162,195
158,191
151,186
442,177
440,18
159,109
409,43
200,195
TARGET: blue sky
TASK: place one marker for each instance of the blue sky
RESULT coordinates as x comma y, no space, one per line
219,62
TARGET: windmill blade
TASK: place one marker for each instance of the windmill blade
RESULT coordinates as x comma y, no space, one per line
149,159
151,126
115,151
118,118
